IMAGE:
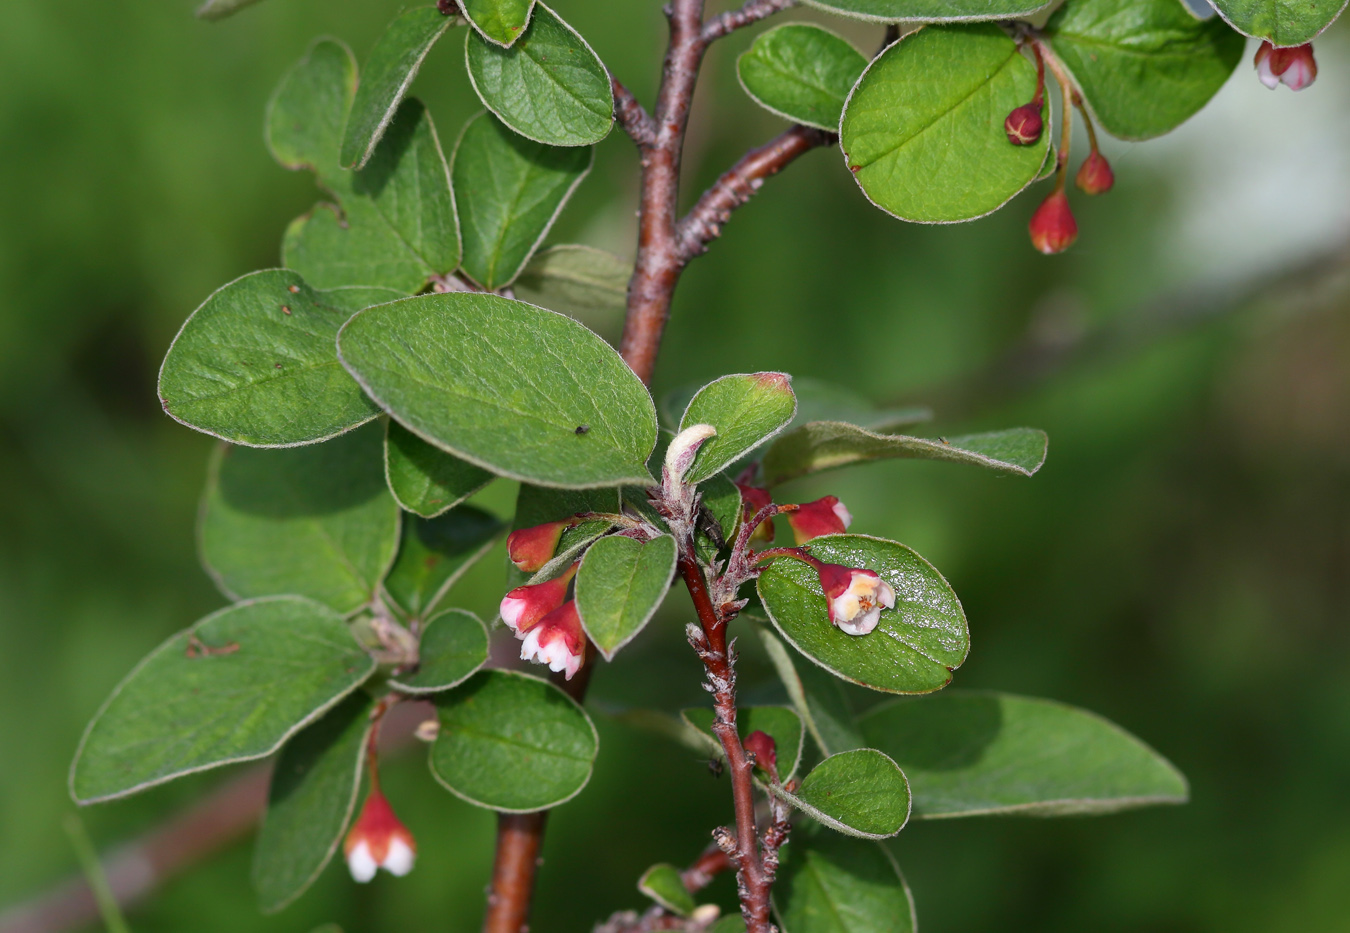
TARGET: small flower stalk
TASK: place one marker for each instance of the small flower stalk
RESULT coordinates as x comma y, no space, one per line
557,640
825,516
855,596
753,501
1295,68
1026,123
378,840
531,548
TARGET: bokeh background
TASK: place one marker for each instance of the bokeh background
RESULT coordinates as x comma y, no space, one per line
1181,564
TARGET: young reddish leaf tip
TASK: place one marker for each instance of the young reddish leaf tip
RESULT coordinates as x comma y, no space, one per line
378,840
825,516
1095,175
856,597
753,500
764,748
1052,227
557,640
1294,67
448,7
524,606
532,548
1024,125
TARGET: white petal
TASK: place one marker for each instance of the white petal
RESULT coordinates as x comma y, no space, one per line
845,606
399,860
885,595
844,514
1297,76
1268,77
512,609
862,625
530,646
360,864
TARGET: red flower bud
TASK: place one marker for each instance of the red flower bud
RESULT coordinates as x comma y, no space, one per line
1024,124
826,516
753,499
856,597
1052,227
532,548
1295,67
525,605
378,840
1095,175
557,640
764,748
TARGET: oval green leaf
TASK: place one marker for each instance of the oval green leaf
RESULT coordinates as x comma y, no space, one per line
454,645
500,21
317,521
859,793
424,479
512,743
930,11
923,129
746,409
832,884
778,722
1144,66
663,884
801,72
308,109
506,386
435,553
914,648
536,505
620,586
1283,22
977,753
232,688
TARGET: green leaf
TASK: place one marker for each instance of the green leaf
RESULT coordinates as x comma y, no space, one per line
620,585
722,499
1283,22
930,11
536,505
550,86
801,72
389,70
1144,66
978,753
923,129
232,688
424,479
662,883
435,553
859,793
454,645
513,743
511,189
355,247
818,400
316,521
307,112
501,21
219,9
256,364
914,648
353,298
777,722
818,696
832,884
505,385
827,445
746,410
588,284
731,923
311,799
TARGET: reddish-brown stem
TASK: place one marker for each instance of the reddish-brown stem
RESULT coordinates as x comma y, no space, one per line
752,12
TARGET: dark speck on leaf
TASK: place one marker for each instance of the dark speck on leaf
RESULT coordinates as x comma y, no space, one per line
294,289
583,428
278,366
285,310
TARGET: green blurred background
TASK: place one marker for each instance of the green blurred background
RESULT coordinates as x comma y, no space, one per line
1181,564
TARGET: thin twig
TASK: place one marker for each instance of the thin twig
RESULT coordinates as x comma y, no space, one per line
632,116
752,12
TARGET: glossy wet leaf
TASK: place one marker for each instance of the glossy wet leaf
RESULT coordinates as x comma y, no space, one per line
511,189
778,722
923,130
977,753
317,521
915,646
536,505
312,795
817,695
219,9
307,112
385,77
621,583
746,410
827,445
512,742
1144,66
832,884
1283,22
257,364
505,385
502,21
859,793
425,479
454,645
802,72
232,688
589,284
549,86
662,884
930,11
435,553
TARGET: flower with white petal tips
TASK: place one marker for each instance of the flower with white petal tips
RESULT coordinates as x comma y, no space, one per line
856,597
378,840
1294,67
557,640
522,607
827,516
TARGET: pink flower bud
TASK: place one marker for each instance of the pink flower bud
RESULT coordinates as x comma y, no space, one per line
764,748
1052,227
378,840
557,640
1095,175
525,605
532,548
1024,124
1295,67
856,597
826,516
753,499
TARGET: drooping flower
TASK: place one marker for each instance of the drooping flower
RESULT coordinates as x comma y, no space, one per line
1295,67
764,748
825,516
522,607
856,597
557,640
1024,124
378,840
753,499
1052,227
1095,175
531,548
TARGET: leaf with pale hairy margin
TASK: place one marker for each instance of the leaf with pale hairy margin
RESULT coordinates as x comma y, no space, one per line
501,21
923,129
425,479
827,445
588,284
317,521
662,883
620,585
746,409
536,505
257,364
914,647
219,9
307,112
859,793
817,695
352,247
390,69
549,86
512,743
777,722
801,72
506,386
977,754
310,801
832,884
930,11
232,688
454,645
511,189
1144,66
1283,22
817,400
435,553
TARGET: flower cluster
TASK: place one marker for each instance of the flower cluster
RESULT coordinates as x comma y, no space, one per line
545,620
